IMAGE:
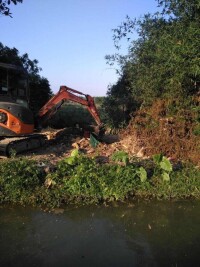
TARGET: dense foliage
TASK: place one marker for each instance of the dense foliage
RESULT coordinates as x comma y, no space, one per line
119,103
4,6
39,86
79,179
71,115
163,62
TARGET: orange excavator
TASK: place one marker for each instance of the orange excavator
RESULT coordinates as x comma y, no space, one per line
17,123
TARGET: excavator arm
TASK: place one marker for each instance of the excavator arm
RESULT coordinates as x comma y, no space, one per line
65,93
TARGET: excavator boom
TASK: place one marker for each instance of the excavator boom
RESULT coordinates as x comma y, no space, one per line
65,93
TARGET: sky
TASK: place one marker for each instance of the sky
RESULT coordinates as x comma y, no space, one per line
70,38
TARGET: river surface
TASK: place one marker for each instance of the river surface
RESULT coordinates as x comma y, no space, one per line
137,234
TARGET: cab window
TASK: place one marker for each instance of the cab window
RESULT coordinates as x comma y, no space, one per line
3,82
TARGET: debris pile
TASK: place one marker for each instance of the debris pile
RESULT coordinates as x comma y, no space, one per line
62,142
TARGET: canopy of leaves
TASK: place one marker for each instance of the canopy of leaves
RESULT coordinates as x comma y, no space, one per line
164,61
4,6
119,103
181,8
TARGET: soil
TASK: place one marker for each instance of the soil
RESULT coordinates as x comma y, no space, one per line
174,136
62,142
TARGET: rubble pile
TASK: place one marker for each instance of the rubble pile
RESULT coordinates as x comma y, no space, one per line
62,142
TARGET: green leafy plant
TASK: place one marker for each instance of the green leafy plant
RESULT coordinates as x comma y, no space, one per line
18,179
82,180
163,166
120,156
72,159
142,174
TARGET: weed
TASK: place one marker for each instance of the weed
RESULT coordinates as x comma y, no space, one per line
79,179
121,156
163,167
18,179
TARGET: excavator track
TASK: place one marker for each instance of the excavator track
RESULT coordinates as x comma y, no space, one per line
18,145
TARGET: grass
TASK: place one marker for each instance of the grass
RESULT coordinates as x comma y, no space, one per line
79,179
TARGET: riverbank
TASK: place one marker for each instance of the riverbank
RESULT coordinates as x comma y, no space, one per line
82,180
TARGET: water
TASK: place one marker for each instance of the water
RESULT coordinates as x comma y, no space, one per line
139,234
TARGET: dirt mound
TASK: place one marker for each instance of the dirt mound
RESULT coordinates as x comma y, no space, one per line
154,131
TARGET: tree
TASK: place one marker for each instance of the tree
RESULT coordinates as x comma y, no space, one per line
164,60
40,91
119,103
10,55
181,8
4,6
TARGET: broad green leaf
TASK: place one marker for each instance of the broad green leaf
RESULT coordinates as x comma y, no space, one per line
74,153
70,160
142,174
166,165
166,176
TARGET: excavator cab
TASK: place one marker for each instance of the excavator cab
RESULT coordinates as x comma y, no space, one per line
14,84
15,116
